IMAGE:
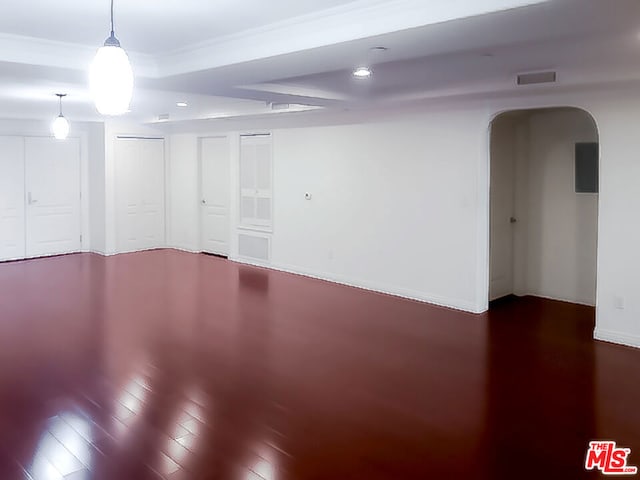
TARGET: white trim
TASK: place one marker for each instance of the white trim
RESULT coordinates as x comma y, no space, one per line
323,28
455,304
556,299
189,250
317,29
620,338
51,53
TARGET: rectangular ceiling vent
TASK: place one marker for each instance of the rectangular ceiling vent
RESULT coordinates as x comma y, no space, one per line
535,78
279,106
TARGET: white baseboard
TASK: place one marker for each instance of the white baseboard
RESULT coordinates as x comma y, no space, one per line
185,249
621,338
559,299
455,304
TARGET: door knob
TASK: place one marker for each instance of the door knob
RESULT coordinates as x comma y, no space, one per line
204,202
30,199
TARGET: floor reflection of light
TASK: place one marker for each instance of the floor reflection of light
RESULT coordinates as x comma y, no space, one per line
129,404
183,439
134,394
64,448
262,470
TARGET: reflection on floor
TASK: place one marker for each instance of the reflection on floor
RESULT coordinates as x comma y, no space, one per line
172,365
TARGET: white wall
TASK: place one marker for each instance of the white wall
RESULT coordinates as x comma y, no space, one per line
562,225
402,204
618,302
97,187
404,226
393,205
555,237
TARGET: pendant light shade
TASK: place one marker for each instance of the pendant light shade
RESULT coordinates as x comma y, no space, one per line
111,77
60,126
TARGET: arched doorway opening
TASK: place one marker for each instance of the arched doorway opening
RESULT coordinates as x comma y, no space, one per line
544,205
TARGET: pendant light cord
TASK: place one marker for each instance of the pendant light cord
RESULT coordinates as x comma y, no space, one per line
60,95
112,18
112,41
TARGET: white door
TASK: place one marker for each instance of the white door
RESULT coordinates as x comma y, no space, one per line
12,197
502,210
52,179
215,191
139,193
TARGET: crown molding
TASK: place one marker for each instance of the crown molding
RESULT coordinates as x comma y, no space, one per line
50,53
353,21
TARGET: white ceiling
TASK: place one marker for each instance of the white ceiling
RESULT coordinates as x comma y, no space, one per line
228,58
149,26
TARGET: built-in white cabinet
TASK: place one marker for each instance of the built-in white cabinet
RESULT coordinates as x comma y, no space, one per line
139,193
40,210
256,197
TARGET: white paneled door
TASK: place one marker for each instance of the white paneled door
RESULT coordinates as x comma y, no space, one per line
12,198
140,186
215,191
52,184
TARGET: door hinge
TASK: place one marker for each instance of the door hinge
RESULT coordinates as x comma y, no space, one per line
80,238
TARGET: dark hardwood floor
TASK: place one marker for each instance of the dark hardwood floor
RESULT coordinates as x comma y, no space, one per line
172,365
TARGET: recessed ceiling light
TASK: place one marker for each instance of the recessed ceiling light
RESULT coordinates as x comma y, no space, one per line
362,72
182,104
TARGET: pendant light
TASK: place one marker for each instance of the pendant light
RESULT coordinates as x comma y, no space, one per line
60,126
111,77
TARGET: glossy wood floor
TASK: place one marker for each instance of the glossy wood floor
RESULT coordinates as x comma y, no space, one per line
178,366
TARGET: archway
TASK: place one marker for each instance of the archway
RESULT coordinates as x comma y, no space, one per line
544,205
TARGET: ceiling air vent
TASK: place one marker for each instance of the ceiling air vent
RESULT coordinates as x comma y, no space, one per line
535,78
279,106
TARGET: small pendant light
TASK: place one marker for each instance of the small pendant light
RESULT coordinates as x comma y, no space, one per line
111,77
60,126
